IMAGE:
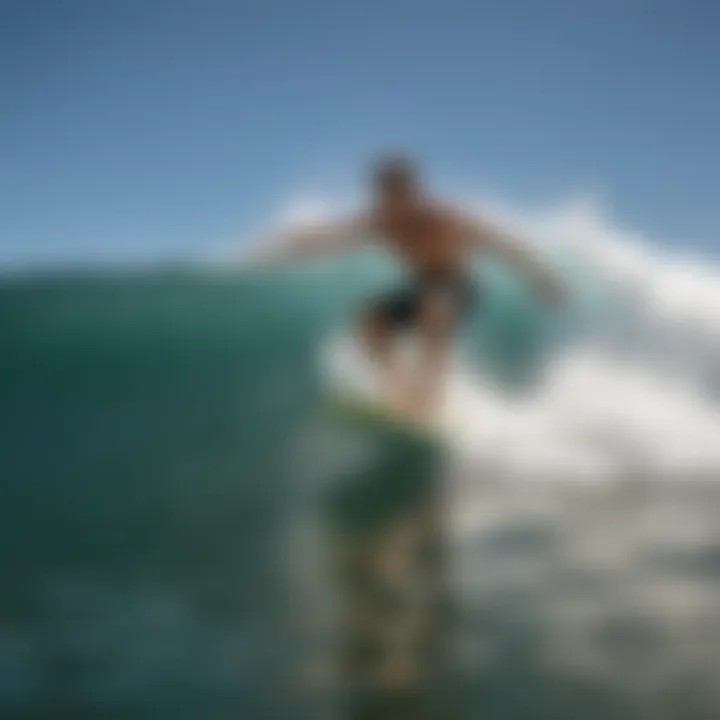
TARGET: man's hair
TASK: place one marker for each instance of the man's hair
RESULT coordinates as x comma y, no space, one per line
394,171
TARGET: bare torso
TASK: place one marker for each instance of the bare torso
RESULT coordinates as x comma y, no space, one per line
425,237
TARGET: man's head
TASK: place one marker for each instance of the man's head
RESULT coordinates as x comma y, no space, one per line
395,179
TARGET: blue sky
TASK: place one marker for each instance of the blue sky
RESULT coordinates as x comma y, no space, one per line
162,128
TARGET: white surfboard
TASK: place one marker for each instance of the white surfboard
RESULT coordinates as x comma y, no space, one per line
353,386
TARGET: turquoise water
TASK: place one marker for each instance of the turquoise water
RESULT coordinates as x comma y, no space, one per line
160,433
141,421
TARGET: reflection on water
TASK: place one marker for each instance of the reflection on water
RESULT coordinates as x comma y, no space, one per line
592,601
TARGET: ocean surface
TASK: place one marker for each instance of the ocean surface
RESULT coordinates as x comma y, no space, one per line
169,466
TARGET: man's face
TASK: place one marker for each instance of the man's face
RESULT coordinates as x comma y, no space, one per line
396,193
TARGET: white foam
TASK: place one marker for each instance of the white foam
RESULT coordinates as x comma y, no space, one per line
594,418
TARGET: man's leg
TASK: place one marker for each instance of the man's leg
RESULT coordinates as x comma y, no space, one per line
435,325
377,333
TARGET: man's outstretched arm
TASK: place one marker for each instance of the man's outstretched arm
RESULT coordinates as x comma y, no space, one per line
319,239
490,238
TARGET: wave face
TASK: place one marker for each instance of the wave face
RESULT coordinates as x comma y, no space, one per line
166,456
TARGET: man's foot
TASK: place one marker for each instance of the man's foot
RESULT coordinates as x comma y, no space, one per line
414,402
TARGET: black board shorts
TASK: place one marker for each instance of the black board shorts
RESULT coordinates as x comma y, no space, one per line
401,307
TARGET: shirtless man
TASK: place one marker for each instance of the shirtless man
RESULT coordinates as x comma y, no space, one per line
434,242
